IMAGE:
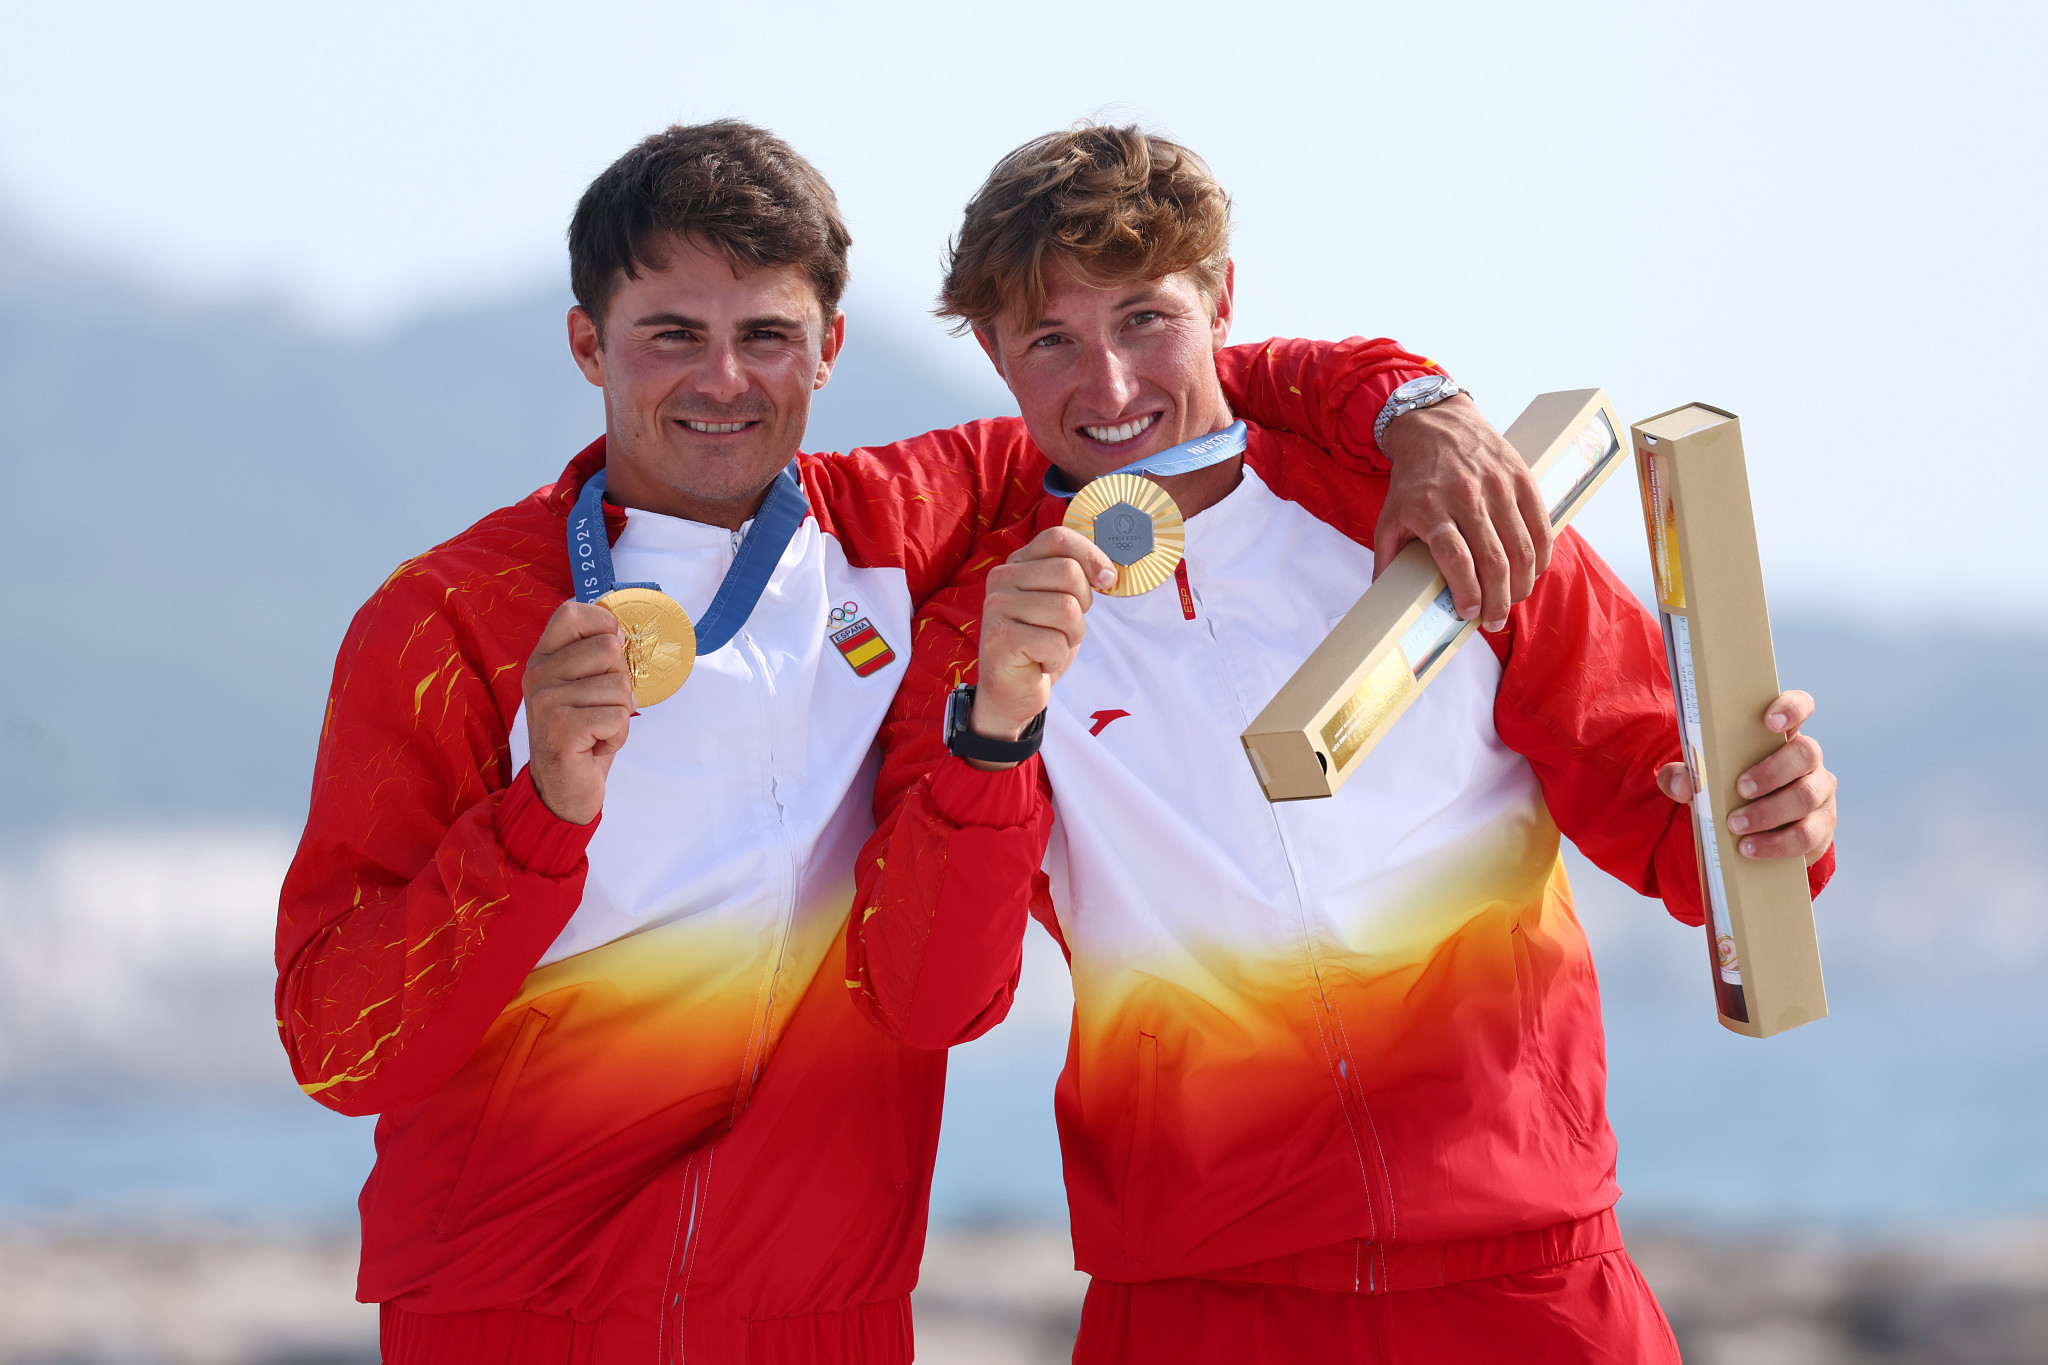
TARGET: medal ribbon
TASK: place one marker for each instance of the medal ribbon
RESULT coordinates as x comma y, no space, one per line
590,555
1184,458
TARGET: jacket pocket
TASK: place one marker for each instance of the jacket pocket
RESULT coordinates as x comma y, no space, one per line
1532,985
1138,1176
469,1182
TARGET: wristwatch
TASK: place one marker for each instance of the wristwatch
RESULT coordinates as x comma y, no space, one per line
962,742
1425,392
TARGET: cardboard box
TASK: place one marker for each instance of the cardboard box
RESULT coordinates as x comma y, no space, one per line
1320,726
1761,946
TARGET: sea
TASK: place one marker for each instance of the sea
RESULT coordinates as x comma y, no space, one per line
1921,1099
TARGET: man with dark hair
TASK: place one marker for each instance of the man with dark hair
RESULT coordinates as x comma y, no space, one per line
1336,1085
575,947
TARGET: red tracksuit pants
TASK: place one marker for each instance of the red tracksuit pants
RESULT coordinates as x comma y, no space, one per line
869,1334
1592,1311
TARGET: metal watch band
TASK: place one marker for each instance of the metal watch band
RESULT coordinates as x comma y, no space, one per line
962,742
1396,405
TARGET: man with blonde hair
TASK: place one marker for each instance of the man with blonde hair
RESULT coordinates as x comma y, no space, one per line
1336,1085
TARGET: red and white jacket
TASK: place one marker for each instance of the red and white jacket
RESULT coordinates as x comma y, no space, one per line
616,1075
1352,1043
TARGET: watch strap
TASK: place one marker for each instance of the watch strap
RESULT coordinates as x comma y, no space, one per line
1396,406
962,742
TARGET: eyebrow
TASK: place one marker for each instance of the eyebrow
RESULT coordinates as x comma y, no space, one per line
697,324
1142,296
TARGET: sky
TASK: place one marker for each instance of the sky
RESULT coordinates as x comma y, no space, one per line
1819,216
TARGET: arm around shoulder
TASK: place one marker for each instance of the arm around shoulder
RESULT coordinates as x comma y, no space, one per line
1454,482
1328,392
923,503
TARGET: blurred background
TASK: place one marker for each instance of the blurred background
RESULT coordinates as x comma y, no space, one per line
281,299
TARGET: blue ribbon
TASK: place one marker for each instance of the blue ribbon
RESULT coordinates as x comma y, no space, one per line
590,555
590,548
1184,458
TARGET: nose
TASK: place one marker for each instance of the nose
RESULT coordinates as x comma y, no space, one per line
719,376
1107,380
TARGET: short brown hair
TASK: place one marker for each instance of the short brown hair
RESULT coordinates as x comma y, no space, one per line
1120,204
738,189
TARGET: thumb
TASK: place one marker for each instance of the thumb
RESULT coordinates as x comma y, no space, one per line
1675,782
1099,567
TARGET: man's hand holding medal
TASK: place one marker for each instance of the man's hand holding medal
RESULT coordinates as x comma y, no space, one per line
579,700
1032,625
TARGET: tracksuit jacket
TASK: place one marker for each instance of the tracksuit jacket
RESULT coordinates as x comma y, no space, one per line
627,1107
1349,1044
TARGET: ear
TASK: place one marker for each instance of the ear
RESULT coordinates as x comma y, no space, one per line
828,348
1220,327
586,343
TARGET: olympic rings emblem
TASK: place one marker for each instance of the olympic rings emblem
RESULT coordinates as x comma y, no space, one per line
844,615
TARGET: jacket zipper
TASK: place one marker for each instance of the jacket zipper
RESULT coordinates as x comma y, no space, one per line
1343,1067
696,1193
757,1044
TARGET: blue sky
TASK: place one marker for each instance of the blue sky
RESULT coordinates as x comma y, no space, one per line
1820,216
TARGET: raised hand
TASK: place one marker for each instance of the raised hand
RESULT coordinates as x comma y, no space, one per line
1031,627
578,700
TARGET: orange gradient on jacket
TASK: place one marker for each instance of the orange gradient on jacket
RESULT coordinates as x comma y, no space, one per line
652,1041
1222,1061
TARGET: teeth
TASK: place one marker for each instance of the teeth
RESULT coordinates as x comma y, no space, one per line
1114,435
715,428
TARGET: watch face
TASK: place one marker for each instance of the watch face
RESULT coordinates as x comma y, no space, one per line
1418,388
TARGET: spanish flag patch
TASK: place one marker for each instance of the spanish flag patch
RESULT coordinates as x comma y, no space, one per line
856,638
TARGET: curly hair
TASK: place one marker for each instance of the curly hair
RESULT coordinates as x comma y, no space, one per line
738,189
1119,204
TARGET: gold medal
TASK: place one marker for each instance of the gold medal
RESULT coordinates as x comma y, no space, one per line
659,640
1135,522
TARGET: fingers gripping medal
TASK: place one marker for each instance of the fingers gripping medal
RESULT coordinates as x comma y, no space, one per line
1133,520
661,643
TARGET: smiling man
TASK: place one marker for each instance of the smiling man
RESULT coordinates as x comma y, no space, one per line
580,957
1336,1088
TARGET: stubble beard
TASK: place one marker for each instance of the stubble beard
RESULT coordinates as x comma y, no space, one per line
736,475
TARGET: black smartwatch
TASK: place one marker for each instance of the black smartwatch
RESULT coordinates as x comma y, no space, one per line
962,742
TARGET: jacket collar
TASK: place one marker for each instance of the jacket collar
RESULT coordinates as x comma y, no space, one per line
562,497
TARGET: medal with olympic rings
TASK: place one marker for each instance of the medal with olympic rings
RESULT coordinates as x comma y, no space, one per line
657,637
1136,522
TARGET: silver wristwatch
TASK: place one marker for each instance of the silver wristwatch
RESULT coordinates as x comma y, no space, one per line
1425,392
